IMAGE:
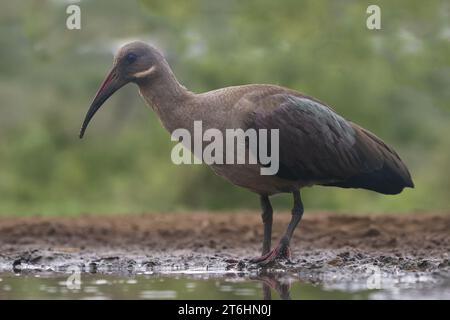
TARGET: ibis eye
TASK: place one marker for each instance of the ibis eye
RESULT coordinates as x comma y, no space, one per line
130,58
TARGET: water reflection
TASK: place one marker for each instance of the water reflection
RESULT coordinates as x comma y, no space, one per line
202,285
276,282
150,286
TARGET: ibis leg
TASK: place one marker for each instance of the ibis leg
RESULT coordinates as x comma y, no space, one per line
297,214
282,251
267,218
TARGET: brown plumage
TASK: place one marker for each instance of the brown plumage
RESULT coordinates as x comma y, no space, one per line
316,145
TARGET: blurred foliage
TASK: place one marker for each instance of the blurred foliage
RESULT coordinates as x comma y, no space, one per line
393,81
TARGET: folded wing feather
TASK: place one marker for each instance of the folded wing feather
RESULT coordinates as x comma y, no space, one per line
320,147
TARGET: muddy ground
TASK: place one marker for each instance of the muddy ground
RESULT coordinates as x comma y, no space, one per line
324,243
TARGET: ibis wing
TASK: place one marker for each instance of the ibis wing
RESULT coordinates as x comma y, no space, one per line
316,145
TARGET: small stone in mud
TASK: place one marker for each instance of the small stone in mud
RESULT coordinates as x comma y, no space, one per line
16,265
444,264
149,264
240,265
35,260
359,256
386,259
92,267
109,258
424,264
336,262
344,255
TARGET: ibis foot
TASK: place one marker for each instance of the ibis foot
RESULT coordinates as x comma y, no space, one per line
281,252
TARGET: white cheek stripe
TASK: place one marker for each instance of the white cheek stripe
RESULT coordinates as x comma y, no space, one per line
145,72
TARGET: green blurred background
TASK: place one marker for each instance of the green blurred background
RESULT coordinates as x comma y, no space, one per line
395,82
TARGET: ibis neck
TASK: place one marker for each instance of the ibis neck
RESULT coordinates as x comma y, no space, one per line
163,92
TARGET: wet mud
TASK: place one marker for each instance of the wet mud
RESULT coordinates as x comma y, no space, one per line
326,248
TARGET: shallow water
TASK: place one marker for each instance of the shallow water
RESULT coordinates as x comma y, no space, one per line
205,286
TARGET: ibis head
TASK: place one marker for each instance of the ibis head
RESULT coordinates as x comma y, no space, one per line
133,62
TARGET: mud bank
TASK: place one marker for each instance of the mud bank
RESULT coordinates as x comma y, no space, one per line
326,247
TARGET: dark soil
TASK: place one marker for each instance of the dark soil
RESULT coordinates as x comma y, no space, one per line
323,242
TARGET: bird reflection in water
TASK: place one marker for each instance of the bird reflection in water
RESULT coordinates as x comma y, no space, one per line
273,281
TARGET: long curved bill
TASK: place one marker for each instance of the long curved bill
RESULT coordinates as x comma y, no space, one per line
111,84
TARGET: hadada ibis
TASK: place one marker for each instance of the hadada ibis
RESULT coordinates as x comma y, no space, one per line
316,145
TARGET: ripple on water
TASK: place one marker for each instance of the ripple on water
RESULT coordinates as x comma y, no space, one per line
158,294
